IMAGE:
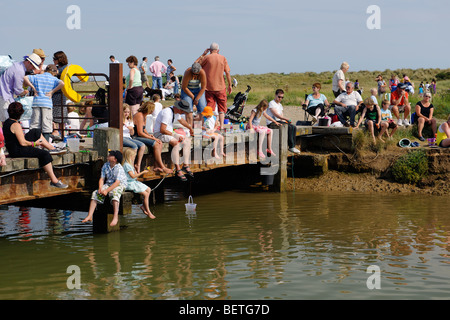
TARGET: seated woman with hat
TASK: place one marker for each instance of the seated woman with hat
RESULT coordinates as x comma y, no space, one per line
163,130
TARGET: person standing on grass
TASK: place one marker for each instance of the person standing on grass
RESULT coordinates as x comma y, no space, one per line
143,70
157,68
338,82
215,65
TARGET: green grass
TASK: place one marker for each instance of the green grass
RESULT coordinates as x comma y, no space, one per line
296,85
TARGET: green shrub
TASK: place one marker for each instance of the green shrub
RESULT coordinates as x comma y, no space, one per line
411,168
443,75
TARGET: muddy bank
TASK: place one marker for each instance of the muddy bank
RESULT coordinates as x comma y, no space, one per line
333,181
371,173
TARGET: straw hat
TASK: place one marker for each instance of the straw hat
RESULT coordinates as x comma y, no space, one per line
40,53
34,59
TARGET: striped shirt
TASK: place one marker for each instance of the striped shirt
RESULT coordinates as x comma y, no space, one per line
43,83
194,84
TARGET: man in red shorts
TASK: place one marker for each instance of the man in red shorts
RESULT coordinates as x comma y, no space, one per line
215,65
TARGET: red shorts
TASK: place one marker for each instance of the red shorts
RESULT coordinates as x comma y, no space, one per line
219,97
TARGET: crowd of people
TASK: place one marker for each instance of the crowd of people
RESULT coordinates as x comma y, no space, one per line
202,97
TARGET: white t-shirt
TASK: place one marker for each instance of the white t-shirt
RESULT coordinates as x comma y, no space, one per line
339,75
73,124
158,108
166,116
126,131
277,107
351,99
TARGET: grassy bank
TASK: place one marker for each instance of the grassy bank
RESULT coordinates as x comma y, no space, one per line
296,85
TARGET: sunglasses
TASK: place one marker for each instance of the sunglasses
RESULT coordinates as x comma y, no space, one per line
280,97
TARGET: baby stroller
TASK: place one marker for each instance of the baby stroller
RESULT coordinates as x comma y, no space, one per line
234,112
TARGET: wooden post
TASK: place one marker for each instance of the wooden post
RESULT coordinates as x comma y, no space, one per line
116,99
280,179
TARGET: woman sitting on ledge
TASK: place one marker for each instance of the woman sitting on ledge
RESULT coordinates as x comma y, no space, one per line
424,114
24,146
443,134
148,139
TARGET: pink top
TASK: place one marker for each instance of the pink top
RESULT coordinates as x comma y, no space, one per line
156,68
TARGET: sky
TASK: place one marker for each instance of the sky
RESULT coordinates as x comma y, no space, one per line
256,36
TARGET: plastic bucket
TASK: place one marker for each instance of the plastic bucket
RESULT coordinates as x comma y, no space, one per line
431,141
190,206
404,143
73,145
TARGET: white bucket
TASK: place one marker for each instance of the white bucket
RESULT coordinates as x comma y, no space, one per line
73,145
190,206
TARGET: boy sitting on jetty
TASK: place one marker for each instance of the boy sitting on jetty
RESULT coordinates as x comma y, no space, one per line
112,182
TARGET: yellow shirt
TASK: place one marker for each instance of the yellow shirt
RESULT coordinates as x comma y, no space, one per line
440,134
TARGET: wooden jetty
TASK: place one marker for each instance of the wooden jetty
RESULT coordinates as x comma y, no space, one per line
22,179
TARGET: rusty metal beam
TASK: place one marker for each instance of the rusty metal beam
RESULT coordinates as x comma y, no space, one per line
115,97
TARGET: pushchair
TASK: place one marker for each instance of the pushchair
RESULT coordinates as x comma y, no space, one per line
234,112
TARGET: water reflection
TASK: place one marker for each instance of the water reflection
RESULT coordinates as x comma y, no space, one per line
237,246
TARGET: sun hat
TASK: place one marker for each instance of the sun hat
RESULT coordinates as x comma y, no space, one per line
40,53
183,105
208,112
34,59
402,85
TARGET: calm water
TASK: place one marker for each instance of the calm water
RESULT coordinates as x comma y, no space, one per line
238,246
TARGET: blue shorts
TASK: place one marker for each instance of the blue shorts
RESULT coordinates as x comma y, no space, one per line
148,142
201,102
132,143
